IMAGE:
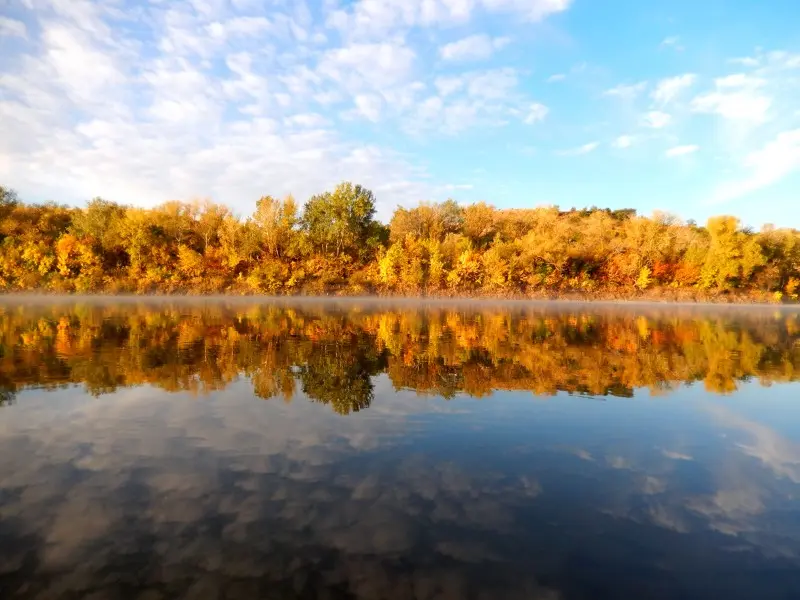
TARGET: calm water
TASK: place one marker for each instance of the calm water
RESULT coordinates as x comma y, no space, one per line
229,449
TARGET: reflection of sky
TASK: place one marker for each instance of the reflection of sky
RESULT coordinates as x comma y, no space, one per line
510,496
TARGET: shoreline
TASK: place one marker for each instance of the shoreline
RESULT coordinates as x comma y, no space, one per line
46,297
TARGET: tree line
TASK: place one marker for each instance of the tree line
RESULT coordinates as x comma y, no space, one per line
332,357
334,244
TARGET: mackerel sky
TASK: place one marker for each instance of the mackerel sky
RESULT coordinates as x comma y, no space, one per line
692,107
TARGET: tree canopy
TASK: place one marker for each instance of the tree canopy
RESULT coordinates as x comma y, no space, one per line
334,244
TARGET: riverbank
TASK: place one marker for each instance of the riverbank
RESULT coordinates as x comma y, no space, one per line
335,247
655,296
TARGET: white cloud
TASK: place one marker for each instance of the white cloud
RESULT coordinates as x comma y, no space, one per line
682,150
307,120
492,83
12,28
82,69
89,109
229,99
532,10
668,89
556,77
738,105
458,116
745,61
489,98
496,83
374,18
369,106
739,80
585,149
626,91
623,141
433,114
537,112
327,97
736,97
239,26
672,41
374,65
783,59
657,119
773,162
474,47
449,85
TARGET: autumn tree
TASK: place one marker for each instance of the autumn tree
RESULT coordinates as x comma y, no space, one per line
427,221
177,220
276,221
781,250
479,223
732,255
337,245
546,247
99,223
209,219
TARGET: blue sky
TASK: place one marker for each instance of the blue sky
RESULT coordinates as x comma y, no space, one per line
685,106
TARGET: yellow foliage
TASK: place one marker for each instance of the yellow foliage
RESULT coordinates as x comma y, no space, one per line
440,351
388,265
190,262
334,245
644,280
792,285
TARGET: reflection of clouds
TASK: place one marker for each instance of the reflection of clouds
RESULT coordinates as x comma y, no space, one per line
667,516
782,456
651,486
619,462
676,455
729,511
665,486
736,496
747,497
581,453
232,492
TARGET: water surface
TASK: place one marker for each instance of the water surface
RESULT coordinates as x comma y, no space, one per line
235,449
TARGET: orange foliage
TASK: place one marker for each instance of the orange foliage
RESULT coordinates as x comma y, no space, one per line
335,246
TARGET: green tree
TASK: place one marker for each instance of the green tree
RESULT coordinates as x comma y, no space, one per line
340,221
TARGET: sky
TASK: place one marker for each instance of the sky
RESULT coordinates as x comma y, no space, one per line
690,107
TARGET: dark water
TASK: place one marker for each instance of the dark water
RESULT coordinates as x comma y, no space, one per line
365,450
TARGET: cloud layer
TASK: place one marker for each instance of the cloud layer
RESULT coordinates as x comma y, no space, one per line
147,102
143,102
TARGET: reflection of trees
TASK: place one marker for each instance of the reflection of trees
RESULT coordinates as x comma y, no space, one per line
333,354
340,373
7,396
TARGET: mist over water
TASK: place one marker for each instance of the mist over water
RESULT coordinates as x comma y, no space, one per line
232,448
